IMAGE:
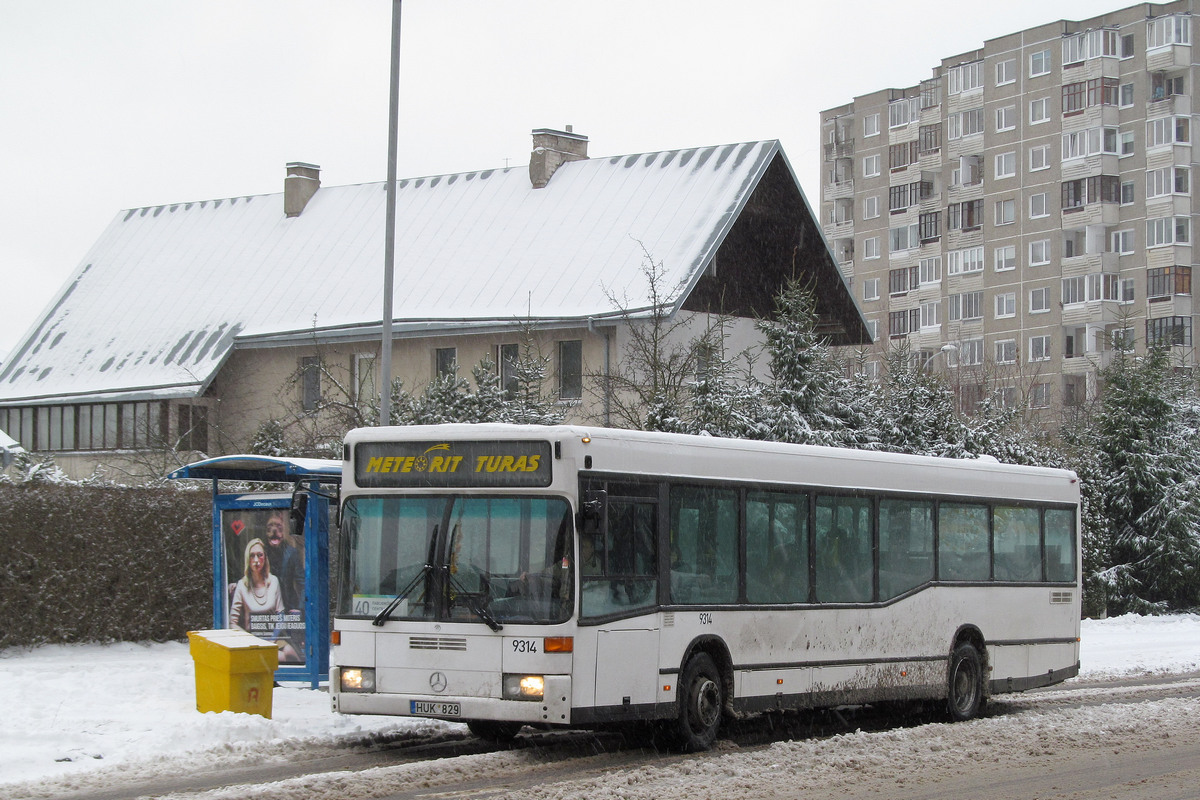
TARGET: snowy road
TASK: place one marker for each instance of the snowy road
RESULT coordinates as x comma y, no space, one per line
1138,739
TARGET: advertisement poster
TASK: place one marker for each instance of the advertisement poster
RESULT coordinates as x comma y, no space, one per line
264,567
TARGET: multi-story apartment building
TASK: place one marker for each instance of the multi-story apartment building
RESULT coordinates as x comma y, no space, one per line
1027,210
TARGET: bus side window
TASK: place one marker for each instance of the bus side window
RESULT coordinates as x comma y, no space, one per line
776,547
1060,545
905,546
704,542
962,542
845,563
1016,544
627,575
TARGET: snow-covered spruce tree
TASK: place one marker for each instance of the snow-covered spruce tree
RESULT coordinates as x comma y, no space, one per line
808,389
269,440
915,410
725,399
1148,453
525,400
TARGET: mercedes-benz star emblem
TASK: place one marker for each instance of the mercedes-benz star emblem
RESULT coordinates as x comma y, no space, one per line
437,682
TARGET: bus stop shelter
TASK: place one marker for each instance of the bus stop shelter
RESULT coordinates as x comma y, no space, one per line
270,553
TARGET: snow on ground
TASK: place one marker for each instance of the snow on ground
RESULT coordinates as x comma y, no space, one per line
73,712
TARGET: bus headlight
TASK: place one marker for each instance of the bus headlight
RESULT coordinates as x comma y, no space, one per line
523,687
357,679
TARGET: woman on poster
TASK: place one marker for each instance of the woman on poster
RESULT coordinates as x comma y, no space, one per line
257,605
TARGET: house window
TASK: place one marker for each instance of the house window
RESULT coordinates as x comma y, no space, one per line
1039,348
1162,282
1039,252
1006,165
570,369
445,362
1039,300
1038,206
871,166
1006,118
1039,111
871,125
310,383
1005,258
1006,71
1039,158
1122,242
1006,212
1169,331
507,357
364,378
930,270
1006,305
1040,63
1006,351
871,289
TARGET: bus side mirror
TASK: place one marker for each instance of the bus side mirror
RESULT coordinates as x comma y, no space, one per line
299,509
591,511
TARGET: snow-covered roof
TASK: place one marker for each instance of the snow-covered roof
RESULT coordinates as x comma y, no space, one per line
165,293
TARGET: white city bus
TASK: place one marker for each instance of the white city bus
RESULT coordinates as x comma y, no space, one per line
566,576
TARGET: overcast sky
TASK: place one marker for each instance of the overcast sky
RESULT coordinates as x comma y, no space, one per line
113,104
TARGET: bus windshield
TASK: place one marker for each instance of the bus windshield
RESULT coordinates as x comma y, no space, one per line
457,557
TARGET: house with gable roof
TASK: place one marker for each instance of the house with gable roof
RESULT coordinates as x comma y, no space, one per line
188,326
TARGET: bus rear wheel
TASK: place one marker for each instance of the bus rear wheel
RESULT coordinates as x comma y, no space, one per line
494,730
701,703
965,697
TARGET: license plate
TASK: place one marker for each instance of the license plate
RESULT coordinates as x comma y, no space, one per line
426,708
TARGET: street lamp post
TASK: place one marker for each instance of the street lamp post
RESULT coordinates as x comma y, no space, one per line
389,236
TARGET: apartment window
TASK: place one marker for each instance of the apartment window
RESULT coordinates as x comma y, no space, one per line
1006,305
1125,146
1128,194
1127,47
965,78
1168,231
1122,242
1039,348
1039,300
1127,290
1073,291
1090,44
310,383
965,216
902,197
930,270
1006,71
1004,258
1168,180
1163,282
902,112
1169,331
901,155
1126,95
508,356
969,171
570,369
964,123
1090,142
871,125
1121,340
1085,94
871,248
1040,63
965,261
929,138
870,207
1039,110
1039,395
903,279
901,322
1039,252
970,352
1006,118
873,329
871,166
1006,351
1168,30
1168,130
1038,205
1039,157
966,306
1163,86
930,225
1096,189
445,362
1006,212
871,289
931,315
1006,165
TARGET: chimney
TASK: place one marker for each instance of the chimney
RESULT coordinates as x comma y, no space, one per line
299,186
552,149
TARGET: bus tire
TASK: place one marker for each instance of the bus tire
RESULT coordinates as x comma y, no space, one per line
701,703
494,730
964,698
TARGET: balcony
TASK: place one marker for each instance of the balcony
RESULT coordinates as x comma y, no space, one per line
1086,362
842,149
1093,311
1169,57
1088,263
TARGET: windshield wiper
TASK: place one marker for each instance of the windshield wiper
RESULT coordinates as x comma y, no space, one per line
382,616
473,604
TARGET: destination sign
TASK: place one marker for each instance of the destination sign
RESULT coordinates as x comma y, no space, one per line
452,464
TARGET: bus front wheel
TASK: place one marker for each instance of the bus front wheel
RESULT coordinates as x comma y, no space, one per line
701,702
965,698
494,730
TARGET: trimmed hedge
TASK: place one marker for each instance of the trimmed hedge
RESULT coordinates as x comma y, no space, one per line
101,564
